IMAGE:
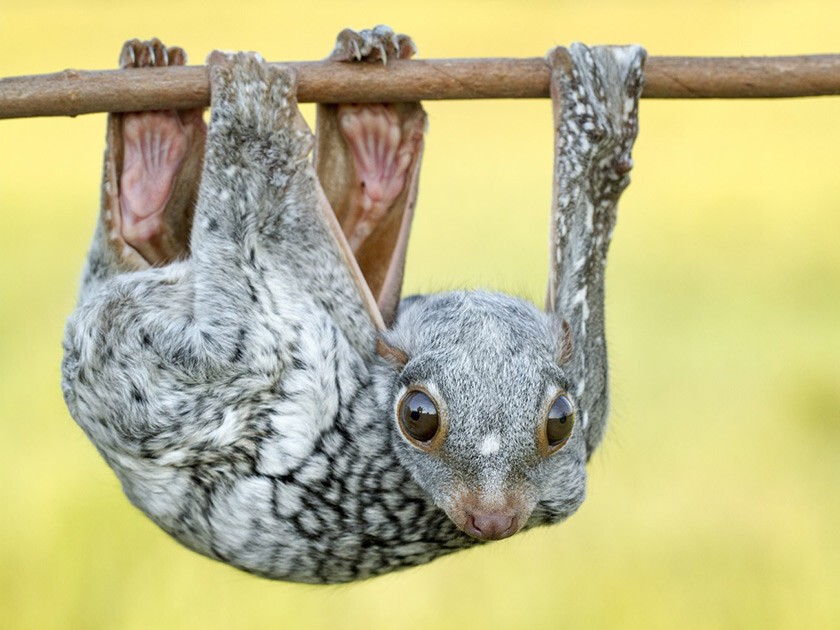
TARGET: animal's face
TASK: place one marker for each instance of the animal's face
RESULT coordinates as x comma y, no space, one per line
483,412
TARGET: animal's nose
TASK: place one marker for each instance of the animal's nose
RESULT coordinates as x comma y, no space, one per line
490,525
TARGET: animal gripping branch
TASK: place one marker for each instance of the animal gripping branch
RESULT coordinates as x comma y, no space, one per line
240,354
228,355
74,92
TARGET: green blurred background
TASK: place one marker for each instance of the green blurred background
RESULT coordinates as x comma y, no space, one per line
715,500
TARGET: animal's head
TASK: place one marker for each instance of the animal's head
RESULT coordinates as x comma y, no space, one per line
482,412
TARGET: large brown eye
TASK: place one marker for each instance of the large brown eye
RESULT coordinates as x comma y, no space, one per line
561,420
419,416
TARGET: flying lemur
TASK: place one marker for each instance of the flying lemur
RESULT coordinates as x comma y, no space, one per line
241,358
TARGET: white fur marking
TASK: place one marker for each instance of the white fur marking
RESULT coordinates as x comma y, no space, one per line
580,298
490,445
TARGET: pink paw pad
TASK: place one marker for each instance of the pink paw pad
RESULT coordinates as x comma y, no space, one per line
155,145
381,156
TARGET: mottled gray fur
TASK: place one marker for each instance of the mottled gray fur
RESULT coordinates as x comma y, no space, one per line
238,395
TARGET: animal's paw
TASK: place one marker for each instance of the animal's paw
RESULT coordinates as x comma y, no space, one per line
251,95
595,93
158,147
151,53
383,148
600,95
379,43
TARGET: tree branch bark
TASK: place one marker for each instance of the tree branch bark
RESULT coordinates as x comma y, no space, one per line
74,92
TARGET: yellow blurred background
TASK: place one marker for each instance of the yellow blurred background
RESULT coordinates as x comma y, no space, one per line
715,500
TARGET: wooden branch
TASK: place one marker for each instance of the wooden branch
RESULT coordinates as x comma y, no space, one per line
75,92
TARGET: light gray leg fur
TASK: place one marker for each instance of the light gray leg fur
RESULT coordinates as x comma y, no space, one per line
261,212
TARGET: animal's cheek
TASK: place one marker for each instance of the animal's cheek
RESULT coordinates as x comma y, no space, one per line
561,491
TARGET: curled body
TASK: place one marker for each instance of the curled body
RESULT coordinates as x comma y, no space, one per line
248,370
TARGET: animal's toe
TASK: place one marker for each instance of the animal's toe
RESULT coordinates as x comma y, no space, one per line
380,44
150,53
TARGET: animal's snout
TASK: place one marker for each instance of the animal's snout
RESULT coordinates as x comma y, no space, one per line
490,525
490,515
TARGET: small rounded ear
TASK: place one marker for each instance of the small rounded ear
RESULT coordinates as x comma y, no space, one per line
567,345
394,355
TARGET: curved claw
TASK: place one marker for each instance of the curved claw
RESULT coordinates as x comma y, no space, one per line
379,43
152,53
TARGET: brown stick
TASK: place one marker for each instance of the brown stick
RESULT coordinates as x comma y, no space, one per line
75,92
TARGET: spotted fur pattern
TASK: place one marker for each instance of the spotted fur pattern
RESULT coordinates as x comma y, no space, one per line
237,394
